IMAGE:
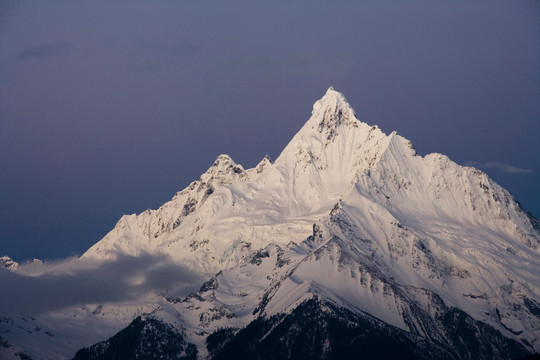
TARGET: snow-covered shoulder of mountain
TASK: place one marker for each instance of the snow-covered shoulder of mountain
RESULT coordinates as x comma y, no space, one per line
135,234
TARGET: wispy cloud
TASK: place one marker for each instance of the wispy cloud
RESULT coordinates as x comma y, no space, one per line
501,167
44,51
35,288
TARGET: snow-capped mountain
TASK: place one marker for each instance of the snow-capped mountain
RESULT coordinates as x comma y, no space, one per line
8,263
350,241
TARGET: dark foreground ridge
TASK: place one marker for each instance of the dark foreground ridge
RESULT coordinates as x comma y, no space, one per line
144,338
313,330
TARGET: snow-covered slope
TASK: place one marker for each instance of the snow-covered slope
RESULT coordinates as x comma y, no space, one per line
352,219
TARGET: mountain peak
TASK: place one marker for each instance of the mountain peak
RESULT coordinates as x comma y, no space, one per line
8,263
332,99
331,112
223,168
332,96
263,164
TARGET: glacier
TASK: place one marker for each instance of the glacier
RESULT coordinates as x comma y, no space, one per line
348,223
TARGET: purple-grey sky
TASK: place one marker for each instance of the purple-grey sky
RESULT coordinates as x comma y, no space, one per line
110,107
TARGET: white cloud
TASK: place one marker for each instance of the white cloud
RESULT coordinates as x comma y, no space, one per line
38,288
501,167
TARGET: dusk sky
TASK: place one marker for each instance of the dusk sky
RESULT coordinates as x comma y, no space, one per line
111,107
